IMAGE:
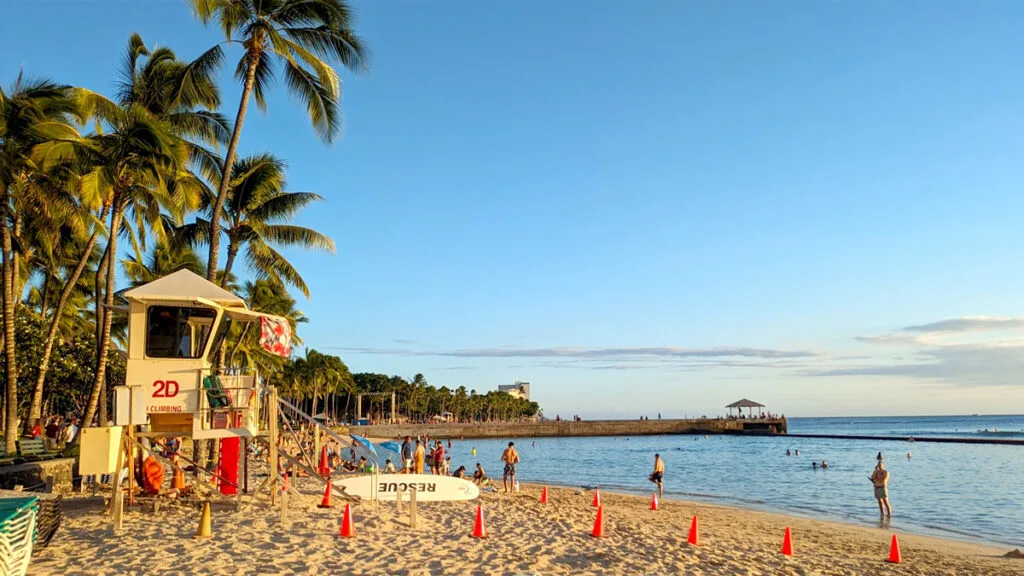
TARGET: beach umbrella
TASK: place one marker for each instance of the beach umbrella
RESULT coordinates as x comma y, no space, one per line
366,444
393,446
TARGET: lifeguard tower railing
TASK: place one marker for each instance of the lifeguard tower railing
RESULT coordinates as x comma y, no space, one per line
229,403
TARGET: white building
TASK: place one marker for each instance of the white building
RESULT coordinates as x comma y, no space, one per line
519,389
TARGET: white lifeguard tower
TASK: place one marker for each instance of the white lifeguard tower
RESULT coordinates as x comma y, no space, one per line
176,328
175,387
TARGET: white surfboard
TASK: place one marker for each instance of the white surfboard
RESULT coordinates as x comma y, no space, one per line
429,488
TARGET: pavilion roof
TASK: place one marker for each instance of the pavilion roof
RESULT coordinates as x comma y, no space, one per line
744,403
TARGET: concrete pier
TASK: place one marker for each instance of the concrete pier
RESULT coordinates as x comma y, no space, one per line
550,428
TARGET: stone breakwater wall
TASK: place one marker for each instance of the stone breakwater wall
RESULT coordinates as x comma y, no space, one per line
585,428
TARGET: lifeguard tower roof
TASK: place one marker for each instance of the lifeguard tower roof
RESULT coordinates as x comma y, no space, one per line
184,285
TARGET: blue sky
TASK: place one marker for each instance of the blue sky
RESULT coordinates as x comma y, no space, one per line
650,206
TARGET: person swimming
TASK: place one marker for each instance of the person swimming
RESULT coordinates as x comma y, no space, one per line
814,465
787,452
824,464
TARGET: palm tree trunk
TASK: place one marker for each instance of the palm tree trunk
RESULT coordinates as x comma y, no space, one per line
101,272
100,381
45,295
11,365
232,252
34,410
229,162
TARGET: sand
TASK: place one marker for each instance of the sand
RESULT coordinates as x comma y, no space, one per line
525,537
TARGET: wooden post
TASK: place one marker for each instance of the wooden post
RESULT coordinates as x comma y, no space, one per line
316,447
274,462
116,496
131,466
394,417
412,508
284,506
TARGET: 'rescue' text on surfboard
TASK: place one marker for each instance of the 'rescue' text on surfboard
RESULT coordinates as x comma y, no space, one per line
404,486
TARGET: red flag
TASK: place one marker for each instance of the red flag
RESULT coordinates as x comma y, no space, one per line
276,336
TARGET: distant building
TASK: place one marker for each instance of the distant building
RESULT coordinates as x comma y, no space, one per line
519,389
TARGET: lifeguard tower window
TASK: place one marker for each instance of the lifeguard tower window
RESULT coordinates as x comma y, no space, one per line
177,332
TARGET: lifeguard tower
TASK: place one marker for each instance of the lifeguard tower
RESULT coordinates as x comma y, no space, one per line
177,327
176,386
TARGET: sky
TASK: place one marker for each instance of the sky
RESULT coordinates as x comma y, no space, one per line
645,207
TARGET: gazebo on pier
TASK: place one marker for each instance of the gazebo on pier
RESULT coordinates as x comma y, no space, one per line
739,405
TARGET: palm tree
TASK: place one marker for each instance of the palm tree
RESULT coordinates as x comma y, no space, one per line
305,36
164,259
141,168
257,216
32,113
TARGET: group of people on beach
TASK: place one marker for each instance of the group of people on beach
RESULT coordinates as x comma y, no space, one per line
414,455
57,432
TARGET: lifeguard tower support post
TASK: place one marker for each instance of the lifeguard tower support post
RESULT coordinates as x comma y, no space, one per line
177,326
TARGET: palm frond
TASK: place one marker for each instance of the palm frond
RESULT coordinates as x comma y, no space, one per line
282,206
321,106
290,235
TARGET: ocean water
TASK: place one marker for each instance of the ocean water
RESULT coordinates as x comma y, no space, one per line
964,491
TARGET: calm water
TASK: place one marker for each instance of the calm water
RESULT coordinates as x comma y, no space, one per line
971,492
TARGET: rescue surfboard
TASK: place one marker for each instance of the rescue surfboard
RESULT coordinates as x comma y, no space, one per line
429,488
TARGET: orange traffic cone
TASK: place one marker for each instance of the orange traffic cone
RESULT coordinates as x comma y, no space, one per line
894,551
654,501
326,502
694,537
598,531
478,527
787,543
348,528
597,499
323,469
544,496
178,483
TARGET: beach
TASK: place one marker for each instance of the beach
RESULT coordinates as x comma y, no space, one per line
524,537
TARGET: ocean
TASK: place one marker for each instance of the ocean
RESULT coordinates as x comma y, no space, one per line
965,491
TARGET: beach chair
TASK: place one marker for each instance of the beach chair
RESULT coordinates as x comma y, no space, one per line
49,514
17,534
215,392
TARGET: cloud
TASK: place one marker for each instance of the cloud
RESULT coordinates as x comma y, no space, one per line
940,353
969,365
403,341
598,353
969,324
625,358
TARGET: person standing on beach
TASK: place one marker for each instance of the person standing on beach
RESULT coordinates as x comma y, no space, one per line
407,455
439,458
417,458
659,474
880,478
510,457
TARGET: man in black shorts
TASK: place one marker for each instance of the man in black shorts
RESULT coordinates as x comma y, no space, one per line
510,457
658,475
